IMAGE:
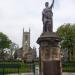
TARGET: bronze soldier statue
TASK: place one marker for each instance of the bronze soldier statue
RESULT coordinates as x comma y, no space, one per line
47,18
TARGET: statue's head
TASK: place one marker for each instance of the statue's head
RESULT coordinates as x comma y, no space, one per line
46,4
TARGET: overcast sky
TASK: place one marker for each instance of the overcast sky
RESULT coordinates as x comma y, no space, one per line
16,14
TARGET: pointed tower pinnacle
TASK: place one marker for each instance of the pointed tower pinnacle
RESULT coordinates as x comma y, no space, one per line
29,37
23,37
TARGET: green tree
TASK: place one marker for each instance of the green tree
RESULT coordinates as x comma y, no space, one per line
67,34
4,43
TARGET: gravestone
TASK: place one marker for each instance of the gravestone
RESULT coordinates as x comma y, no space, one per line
49,50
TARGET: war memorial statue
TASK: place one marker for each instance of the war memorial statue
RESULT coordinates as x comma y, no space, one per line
49,50
47,17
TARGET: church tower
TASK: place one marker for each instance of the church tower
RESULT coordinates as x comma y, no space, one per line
26,53
26,42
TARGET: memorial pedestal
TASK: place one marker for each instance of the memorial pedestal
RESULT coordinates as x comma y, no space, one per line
49,54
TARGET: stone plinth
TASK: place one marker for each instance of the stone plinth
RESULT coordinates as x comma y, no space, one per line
49,54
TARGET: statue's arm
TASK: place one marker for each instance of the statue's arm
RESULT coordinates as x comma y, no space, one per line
52,4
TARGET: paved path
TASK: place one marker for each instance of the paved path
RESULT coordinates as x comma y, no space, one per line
33,74
68,73
22,74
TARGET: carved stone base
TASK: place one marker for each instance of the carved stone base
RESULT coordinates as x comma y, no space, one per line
49,54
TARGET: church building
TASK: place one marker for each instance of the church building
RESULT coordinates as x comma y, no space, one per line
26,53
